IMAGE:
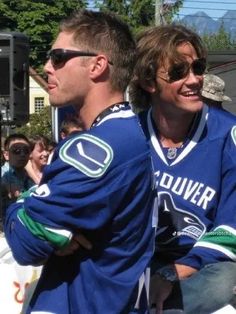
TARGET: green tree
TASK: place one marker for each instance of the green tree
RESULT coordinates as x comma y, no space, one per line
140,13
219,41
170,9
38,20
39,123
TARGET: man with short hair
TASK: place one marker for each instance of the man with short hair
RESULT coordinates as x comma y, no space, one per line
100,181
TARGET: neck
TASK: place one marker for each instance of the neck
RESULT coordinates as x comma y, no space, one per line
173,130
94,105
37,168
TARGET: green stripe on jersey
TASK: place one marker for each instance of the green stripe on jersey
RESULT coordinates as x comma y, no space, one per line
223,237
57,237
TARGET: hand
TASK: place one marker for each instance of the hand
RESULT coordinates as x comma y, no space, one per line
160,289
77,241
184,271
14,193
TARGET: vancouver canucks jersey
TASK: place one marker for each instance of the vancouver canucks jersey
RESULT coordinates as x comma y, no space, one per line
196,187
100,182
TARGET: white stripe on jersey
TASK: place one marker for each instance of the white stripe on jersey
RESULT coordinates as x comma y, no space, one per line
217,248
120,114
190,145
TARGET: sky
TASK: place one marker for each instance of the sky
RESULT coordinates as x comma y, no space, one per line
214,8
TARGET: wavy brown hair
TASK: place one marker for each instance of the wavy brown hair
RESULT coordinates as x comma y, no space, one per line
156,46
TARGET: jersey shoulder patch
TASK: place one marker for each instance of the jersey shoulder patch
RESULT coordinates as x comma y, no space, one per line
233,134
87,153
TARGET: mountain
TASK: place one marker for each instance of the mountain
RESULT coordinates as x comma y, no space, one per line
204,24
229,20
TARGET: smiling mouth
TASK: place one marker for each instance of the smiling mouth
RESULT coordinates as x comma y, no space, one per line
191,93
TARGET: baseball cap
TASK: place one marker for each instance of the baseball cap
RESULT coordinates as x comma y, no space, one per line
214,88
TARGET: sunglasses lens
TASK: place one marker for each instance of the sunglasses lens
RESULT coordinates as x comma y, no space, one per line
19,150
178,71
181,70
199,66
57,57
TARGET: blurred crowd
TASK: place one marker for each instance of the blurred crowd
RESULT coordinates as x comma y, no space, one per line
23,160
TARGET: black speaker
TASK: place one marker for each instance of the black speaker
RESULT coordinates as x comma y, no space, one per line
14,78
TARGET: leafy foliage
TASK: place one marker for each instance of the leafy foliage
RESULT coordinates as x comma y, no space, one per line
39,123
219,41
139,13
38,20
170,10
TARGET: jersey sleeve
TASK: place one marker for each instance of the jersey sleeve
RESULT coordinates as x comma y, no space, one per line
219,243
82,190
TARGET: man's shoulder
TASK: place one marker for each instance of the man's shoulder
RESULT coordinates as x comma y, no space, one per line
88,153
220,124
4,168
8,173
105,146
222,115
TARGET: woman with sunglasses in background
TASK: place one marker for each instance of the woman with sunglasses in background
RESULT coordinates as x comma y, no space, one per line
193,149
14,178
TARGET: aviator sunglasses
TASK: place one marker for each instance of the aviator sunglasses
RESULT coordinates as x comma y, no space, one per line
180,70
59,57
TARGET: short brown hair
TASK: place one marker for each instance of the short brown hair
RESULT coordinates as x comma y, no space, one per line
105,33
155,46
14,137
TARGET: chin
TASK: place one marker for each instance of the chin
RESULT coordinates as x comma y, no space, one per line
194,106
56,101
56,104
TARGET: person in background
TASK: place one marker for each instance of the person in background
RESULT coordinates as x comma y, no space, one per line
2,150
213,91
51,147
99,182
69,125
14,178
193,149
39,145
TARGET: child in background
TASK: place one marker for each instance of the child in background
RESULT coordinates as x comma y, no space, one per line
69,125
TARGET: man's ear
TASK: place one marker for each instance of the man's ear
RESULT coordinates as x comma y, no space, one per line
99,66
149,86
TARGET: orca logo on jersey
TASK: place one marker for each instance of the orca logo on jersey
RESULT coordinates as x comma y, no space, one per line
174,222
233,134
88,153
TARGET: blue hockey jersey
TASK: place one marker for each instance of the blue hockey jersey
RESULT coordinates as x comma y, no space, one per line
100,183
196,192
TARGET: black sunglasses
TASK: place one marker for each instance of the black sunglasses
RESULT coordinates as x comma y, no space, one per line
180,70
20,150
59,57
